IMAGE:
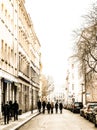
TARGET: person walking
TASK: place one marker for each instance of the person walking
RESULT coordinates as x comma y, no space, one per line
52,107
43,105
15,109
39,105
60,107
6,113
56,107
48,107
10,110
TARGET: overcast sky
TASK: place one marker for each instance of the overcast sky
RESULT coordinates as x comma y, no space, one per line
54,22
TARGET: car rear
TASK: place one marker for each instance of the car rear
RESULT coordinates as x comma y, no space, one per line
77,106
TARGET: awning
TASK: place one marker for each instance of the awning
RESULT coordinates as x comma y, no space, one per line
6,80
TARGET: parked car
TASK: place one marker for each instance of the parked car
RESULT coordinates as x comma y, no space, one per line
69,106
95,121
65,105
76,106
92,115
88,110
82,111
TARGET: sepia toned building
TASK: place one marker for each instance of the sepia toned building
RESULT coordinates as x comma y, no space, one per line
19,56
89,40
73,83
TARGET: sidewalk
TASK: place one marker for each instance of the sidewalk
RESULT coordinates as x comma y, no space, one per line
22,119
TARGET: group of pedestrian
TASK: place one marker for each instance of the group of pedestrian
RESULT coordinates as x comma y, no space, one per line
10,110
49,106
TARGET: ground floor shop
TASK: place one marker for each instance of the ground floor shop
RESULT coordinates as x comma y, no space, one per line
26,94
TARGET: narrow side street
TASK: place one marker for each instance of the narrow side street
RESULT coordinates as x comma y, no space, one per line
65,121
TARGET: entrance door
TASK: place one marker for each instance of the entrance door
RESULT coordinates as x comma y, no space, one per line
15,92
4,93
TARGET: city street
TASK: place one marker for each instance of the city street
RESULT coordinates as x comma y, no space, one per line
65,121
48,59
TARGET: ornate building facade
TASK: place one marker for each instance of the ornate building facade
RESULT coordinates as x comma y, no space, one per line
19,56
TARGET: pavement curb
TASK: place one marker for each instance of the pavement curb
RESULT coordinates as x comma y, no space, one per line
25,121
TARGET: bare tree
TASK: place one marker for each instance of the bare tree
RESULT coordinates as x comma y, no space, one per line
44,86
47,85
91,17
50,87
86,47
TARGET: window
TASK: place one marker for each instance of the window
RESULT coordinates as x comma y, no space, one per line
9,55
72,86
2,7
2,42
72,66
5,13
5,52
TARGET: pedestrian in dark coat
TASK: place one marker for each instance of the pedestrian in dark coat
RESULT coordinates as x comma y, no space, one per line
48,107
43,105
15,109
6,113
52,107
10,110
60,107
56,107
39,105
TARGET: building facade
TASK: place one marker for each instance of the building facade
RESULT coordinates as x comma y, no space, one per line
87,42
19,56
73,83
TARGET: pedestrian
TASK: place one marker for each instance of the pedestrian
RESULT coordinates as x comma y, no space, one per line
48,107
52,107
39,105
56,107
15,109
43,105
60,107
6,113
10,110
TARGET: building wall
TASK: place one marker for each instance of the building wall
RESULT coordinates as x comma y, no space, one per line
88,36
91,87
73,82
19,56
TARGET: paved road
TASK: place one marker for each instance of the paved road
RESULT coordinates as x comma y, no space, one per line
65,121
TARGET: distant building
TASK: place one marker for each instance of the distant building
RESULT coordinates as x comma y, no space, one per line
73,82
